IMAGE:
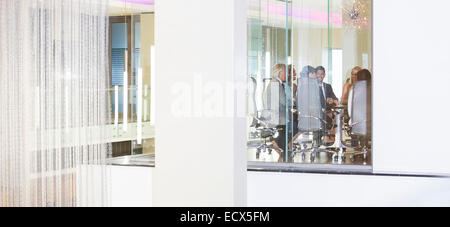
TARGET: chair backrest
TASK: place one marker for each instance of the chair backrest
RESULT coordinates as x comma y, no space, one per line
266,82
361,115
251,95
309,107
271,100
252,110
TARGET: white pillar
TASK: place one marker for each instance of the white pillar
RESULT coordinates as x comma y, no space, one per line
200,144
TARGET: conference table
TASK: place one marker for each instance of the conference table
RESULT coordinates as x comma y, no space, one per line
338,146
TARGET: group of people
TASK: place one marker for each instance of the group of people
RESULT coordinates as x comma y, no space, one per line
286,77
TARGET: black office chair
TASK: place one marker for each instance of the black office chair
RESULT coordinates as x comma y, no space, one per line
310,117
360,123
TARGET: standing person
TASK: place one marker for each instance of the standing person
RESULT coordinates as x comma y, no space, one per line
348,86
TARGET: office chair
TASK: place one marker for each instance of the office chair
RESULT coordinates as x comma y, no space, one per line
268,134
266,120
361,117
310,117
252,109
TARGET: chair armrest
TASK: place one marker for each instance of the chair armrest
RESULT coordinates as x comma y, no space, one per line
309,116
358,122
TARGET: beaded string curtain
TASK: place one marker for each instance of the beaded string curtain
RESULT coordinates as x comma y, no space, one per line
54,102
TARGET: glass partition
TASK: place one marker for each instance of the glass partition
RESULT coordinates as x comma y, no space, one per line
132,60
309,77
267,47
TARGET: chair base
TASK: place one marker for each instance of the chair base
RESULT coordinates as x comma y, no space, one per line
314,152
364,153
266,147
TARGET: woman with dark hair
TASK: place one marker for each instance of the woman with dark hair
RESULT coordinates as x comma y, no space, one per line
308,71
364,75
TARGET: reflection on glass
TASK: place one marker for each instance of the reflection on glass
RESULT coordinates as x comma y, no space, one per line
323,114
131,41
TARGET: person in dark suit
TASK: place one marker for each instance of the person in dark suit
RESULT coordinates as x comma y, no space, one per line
328,99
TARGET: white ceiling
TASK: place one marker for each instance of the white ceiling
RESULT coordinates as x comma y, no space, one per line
309,13
121,8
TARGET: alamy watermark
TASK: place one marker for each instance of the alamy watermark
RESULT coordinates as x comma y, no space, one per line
200,98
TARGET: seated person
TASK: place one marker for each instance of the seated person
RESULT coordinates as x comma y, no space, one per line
362,75
292,76
330,99
307,72
346,90
327,89
349,85
279,78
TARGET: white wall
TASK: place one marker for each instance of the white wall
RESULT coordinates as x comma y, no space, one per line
132,186
410,82
129,186
300,189
200,146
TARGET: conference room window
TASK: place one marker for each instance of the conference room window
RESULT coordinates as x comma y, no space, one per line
132,60
309,83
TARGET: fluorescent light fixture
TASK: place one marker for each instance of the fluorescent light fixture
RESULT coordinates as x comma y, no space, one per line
365,60
152,85
145,107
37,113
337,70
116,106
303,13
139,107
268,66
145,104
142,2
67,107
125,101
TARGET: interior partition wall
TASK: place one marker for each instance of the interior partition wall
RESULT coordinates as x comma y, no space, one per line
200,108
